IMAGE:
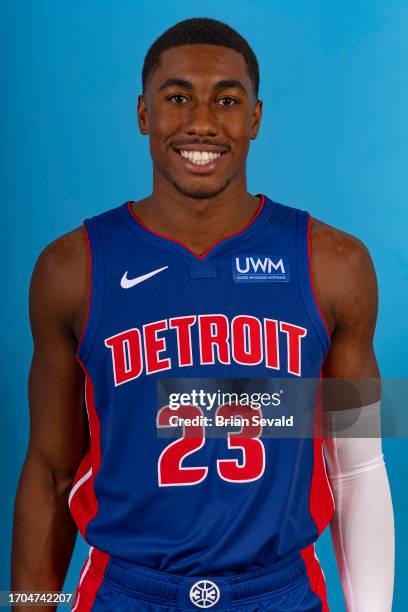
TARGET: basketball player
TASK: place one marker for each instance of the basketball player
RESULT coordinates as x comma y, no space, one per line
170,286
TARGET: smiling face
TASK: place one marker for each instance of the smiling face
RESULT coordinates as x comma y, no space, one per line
200,112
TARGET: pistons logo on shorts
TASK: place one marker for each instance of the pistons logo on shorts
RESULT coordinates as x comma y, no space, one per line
204,593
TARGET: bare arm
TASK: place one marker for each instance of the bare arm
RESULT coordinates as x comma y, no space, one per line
346,287
44,533
362,528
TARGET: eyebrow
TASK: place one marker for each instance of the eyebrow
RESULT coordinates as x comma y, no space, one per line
230,84
225,84
177,82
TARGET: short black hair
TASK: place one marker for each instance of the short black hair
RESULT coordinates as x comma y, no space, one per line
201,31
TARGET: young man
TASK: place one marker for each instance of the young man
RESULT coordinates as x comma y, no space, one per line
199,280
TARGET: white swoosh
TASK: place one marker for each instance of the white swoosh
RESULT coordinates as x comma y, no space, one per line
126,282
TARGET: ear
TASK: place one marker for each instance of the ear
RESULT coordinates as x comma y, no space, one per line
142,116
256,119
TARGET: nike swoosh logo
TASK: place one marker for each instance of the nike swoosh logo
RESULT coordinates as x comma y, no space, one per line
126,282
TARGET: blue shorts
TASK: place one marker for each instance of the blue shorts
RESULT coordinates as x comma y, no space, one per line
293,584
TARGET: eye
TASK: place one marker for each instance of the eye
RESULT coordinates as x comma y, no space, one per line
178,96
234,102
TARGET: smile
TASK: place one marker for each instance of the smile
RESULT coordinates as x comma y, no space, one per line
200,161
200,157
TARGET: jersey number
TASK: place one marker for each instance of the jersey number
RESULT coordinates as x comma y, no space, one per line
170,470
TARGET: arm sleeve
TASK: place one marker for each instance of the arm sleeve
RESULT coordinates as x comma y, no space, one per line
362,528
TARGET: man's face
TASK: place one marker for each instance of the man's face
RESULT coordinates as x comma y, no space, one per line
200,113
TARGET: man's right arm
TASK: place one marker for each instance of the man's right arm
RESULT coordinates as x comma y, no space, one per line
44,533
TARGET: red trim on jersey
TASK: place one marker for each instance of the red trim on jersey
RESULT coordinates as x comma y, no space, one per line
309,254
88,243
321,499
84,503
252,219
321,502
315,574
90,581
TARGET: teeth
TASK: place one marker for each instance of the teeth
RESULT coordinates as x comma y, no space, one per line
200,157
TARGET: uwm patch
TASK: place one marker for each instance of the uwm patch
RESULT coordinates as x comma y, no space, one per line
260,268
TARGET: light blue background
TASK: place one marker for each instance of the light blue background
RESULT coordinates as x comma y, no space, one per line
333,141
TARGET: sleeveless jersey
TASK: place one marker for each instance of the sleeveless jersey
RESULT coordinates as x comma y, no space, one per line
243,309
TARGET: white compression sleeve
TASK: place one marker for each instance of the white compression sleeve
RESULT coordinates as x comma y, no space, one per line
362,528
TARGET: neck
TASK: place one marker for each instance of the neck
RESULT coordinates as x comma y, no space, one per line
197,223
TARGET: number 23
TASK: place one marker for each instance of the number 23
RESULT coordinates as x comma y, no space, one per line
170,470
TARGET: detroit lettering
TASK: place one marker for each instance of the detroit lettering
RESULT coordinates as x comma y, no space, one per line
245,339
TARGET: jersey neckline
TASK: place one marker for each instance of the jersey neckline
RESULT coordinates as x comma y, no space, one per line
251,226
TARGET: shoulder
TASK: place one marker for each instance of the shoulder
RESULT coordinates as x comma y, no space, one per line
60,279
343,271
62,255
338,244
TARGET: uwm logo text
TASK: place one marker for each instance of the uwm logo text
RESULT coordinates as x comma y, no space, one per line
260,268
208,339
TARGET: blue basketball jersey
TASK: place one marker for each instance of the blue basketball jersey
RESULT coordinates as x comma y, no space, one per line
245,309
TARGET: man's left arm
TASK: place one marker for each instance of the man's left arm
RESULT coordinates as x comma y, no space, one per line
362,528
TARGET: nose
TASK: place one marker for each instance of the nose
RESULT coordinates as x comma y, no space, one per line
201,120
